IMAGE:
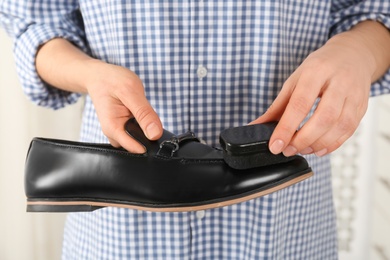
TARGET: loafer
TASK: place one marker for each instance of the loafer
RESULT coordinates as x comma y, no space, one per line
176,173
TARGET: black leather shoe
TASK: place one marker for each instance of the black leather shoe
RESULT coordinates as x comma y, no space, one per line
177,173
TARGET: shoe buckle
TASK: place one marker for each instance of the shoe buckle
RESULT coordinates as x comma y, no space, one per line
169,147
173,142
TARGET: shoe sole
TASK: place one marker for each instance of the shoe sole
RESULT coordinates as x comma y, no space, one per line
75,205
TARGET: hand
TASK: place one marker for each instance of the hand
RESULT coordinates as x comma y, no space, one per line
118,94
340,74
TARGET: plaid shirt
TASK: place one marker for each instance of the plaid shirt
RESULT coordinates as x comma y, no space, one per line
206,65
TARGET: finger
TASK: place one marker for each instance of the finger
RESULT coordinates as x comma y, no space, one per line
325,116
298,107
122,139
116,134
341,131
275,111
143,112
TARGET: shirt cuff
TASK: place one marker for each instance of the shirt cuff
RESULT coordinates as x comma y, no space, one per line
26,48
381,86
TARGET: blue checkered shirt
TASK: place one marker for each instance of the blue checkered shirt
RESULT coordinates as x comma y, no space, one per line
206,65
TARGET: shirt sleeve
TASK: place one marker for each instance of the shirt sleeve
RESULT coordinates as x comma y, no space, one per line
31,23
347,13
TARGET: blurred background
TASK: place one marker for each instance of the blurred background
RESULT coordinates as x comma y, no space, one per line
361,175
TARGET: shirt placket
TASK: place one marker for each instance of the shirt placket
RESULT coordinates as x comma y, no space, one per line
198,65
198,73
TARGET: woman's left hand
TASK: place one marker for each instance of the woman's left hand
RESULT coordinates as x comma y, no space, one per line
340,73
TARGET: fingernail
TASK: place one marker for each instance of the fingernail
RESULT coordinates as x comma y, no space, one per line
277,146
289,151
307,150
152,131
321,152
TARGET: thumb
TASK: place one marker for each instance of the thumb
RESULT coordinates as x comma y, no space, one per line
273,113
143,112
148,119
278,106
134,99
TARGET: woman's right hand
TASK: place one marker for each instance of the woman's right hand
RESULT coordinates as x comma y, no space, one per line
116,92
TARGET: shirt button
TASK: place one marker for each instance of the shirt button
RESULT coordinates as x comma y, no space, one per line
200,214
202,72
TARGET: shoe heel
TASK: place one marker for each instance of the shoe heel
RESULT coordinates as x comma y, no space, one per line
61,208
